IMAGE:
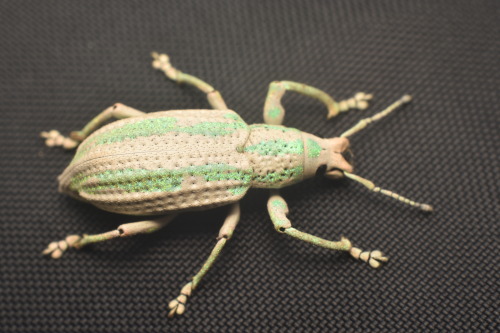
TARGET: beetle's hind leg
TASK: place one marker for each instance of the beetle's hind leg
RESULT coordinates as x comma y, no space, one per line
274,113
162,62
56,249
278,209
118,111
178,305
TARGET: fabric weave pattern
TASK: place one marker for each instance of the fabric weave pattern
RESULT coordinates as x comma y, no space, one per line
61,63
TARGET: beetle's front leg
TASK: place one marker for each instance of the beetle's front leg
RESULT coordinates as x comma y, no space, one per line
178,305
274,113
56,249
119,111
278,209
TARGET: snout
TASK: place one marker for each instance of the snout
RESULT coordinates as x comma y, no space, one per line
340,158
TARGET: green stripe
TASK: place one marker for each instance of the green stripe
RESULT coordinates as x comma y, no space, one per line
160,180
274,112
233,116
209,128
157,126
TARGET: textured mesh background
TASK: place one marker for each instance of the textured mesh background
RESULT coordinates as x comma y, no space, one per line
63,62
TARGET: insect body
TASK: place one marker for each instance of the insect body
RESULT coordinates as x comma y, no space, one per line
168,162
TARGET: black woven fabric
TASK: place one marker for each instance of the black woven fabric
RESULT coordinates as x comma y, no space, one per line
63,62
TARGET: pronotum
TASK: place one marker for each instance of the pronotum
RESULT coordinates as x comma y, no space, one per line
169,162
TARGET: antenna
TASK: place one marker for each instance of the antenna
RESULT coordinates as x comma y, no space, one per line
364,122
371,186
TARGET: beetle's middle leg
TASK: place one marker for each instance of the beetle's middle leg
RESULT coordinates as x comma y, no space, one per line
118,111
278,209
274,113
56,249
162,62
178,305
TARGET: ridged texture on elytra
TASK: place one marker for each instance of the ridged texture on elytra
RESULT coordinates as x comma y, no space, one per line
161,162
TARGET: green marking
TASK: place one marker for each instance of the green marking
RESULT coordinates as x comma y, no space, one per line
158,126
208,128
160,180
146,127
209,262
232,116
279,176
277,147
278,215
274,112
275,128
343,245
238,190
313,148
278,203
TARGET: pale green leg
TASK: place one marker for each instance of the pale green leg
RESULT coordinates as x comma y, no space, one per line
278,209
178,305
56,249
274,113
117,111
162,62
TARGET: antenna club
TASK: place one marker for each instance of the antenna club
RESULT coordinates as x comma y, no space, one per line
427,208
406,98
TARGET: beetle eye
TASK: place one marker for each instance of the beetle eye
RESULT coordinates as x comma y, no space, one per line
348,156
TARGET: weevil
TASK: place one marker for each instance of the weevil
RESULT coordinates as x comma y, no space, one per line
168,162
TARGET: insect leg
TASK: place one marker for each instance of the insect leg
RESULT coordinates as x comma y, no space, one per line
162,62
178,305
118,111
56,249
278,209
274,113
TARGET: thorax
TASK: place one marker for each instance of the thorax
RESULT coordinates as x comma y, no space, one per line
281,156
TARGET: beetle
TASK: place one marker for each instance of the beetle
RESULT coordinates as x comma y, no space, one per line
165,163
